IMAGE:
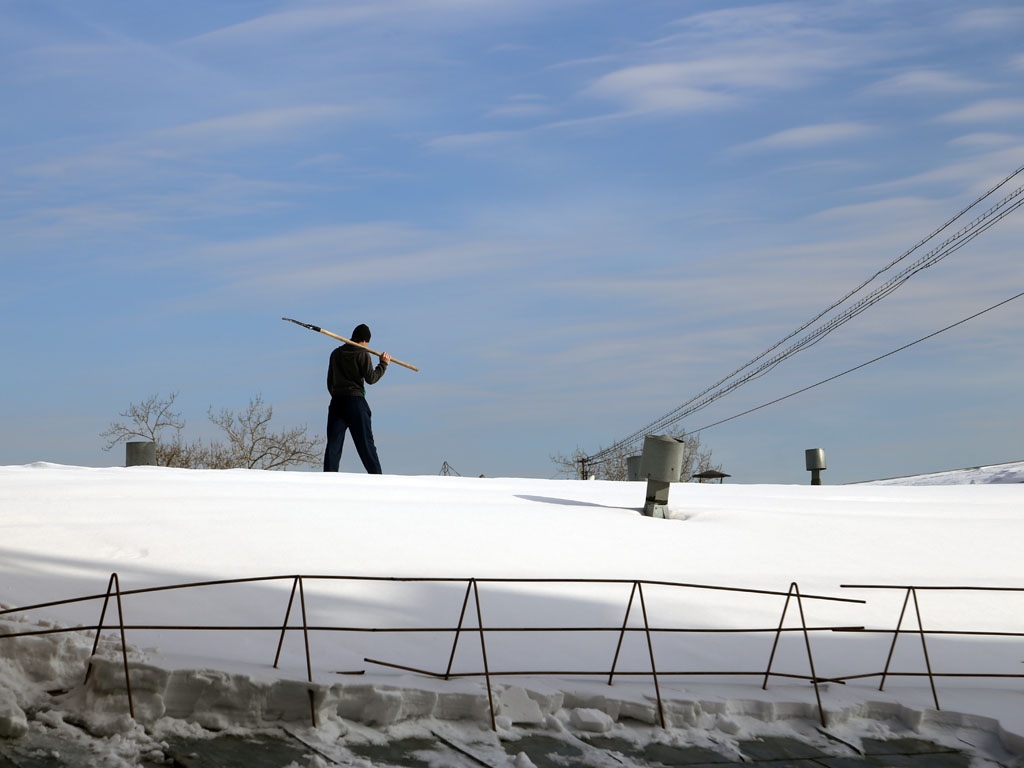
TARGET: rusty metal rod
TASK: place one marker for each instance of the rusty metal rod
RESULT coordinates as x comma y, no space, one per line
775,645
124,649
795,589
443,630
458,629
284,625
622,633
810,657
420,579
934,587
895,636
974,632
483,651
924,647
598,673
99,628
309,663
1010,675
650,650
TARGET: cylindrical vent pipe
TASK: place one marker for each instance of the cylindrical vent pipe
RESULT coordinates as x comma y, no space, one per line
814,458
662,458
661,464
140,454
633,468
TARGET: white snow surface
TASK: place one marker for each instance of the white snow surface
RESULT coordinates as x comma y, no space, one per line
66,530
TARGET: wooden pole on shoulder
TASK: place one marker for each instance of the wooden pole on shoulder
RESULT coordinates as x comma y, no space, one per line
318,329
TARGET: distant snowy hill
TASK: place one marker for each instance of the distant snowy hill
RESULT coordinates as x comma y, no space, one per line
1010,472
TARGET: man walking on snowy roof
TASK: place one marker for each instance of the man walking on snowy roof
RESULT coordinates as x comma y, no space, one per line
349,371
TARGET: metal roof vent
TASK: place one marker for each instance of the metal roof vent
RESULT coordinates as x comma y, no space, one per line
815,460
661,463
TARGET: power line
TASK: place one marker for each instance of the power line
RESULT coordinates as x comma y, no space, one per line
862,365
950,245
729,383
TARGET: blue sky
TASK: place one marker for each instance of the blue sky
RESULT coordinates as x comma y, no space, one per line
572,215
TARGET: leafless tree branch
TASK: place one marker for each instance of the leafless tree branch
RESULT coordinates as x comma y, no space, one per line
250,442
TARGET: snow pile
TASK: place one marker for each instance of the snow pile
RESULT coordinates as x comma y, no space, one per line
67,529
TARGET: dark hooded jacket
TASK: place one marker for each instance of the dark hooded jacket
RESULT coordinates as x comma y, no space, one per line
350,369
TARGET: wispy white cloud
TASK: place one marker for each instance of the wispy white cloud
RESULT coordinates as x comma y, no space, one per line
56,222
989,110
314,244
750,20
509,48
926,81
657,88
591,121
261,125
712,82
990,19
73,59
390,13
317,260
734,56
468,141
987,141
100,161
294,21
112,212
522,111
972,175
329,159
889,209
130,66
774,70
416,266
520,107
807,136
290,124
588,61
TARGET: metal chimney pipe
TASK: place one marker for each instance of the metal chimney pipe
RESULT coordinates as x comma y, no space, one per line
140,454
814,458
661,463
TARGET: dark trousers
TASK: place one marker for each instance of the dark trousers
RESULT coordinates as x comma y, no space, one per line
350,413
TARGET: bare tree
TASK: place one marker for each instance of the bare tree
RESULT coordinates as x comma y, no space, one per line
250,443
696,459
178,453
148,421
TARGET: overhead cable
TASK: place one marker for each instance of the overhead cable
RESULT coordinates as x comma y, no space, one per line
729,383
862,365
